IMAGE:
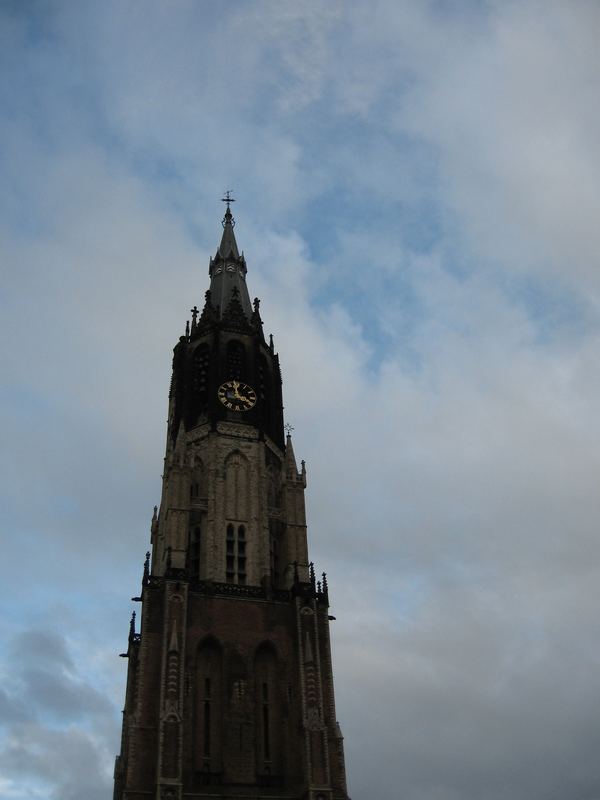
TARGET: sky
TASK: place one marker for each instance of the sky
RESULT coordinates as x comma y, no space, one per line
417,194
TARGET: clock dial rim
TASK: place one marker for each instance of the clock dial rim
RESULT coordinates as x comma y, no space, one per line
244,396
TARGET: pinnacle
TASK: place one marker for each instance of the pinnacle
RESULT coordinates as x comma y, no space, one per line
228,270
290,458
228,247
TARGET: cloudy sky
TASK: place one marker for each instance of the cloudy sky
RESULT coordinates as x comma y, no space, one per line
418,191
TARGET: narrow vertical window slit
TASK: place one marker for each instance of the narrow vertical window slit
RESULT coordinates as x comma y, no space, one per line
266,732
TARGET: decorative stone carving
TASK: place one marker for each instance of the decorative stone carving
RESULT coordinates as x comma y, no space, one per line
241,431
313,719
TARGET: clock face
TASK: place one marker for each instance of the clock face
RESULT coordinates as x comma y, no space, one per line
237,396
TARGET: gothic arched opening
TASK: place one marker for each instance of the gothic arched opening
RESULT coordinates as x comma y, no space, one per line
209,708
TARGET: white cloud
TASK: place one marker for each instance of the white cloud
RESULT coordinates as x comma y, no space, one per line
513,118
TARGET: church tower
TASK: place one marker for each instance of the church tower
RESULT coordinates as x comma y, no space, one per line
230,683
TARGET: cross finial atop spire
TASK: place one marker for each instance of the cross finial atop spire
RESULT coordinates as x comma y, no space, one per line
228,215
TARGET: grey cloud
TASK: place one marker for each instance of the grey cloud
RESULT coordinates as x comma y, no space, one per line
467,713
45,679
45,647
70,763
451,441
475,539
58,728
12,709
61,695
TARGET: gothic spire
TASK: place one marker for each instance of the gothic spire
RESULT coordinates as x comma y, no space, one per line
227,269
228,247
290,458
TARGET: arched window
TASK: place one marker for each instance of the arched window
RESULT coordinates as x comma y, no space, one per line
273,494
194,552
235,554
274,554
208,707
236,360
237,486
198,488
269,731
241,554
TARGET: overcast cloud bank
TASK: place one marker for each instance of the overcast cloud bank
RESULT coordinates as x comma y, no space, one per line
418,196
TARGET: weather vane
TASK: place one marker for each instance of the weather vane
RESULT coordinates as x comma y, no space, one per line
228,199
288,428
